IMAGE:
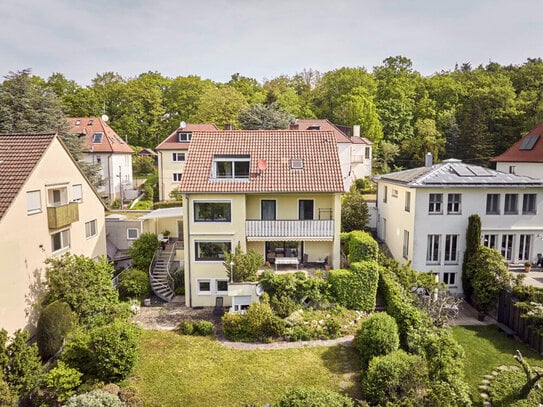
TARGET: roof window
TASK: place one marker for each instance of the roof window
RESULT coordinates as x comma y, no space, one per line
231,166
529,142
91,121
77,122
314,127
297,164
184,136
97,138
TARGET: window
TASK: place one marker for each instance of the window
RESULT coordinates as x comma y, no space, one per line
435,203
305,209
176,177
507,247
385,193
60,240
512,169
268,209
204,287
231,166
177,157
490,240
297,164
511,204
394,193
132,234
90,228
184,136
528,204
449,278
211,251
221,286
212,212
57,196
451,252
367,153
432,249
405,244
454,203
77,193
492,204
97,138
407,206
525,241
98,159
33,202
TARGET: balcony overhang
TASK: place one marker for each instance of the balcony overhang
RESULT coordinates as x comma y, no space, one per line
292,230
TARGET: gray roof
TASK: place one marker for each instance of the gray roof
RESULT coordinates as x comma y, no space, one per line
454,172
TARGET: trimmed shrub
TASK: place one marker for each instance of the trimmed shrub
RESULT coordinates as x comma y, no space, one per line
186,327
95,398
395,377
203,328
377,336
63,380
131,397
258,323
234,327
361,246
284,306
134,283
445,394
55,321
313,397
355,288
167,204
143,249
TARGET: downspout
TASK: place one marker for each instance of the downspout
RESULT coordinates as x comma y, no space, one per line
109,164
187,246
161,177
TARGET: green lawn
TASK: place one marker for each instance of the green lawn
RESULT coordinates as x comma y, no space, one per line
179,370
486,348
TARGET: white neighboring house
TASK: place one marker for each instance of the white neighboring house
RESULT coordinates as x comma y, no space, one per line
423,215
355,152
104,146
525,157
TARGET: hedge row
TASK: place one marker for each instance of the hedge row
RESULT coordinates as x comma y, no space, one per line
360,246
167,204
355,288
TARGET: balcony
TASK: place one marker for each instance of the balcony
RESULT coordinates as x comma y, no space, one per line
62,215
276,230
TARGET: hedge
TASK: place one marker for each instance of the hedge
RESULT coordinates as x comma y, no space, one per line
361,246
377,336
355,288
55,321
167,204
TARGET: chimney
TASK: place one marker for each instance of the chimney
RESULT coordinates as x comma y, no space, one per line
228,126
294,126
428,159
356,130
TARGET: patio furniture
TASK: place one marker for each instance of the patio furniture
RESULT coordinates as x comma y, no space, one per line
286,260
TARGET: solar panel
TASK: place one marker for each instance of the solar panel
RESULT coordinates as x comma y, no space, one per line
529,142
480,171
462,171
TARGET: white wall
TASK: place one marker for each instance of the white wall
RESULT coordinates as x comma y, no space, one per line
534,170
112,166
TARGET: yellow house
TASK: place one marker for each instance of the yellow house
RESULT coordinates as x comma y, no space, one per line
47,208
172,156
275,191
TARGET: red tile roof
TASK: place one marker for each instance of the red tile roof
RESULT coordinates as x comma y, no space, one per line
324,124
19,154
321,169
172,143
111,142
515,154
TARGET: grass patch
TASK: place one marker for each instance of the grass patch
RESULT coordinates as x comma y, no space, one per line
486,348
176,370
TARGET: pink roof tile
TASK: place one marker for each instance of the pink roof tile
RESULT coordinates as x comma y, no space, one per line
87,126
171,142
515,154
321,169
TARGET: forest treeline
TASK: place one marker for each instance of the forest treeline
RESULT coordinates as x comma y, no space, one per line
467,113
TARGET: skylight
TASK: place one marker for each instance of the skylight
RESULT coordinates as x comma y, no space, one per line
297,164
97,138
529,142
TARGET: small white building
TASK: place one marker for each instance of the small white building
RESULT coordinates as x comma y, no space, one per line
423,216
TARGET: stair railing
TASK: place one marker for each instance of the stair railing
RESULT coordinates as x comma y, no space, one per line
155,283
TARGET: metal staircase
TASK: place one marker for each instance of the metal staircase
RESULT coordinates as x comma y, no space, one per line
159,273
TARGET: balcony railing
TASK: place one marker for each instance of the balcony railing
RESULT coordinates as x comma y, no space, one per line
289,229
63,215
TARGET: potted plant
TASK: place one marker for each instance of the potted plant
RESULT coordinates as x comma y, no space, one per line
527,267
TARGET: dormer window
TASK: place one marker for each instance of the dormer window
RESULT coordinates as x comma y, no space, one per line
184,136
91,122
297,164
77,122
97,138
314,127
231,166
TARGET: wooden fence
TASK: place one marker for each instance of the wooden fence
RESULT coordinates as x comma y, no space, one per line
510,315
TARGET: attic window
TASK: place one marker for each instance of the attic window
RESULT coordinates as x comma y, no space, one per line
183,136
231,166
297,164
97,138
529,142
91,122
77,122
314,127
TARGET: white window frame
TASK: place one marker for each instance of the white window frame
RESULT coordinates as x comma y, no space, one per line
492,204
196,202
97,138
508,207
77,193
89,232
507,243
209,260
447,278
216,286
178,157
33,202
529,204
435,204
63,189
525,247
450,255
385,193
405,248
490,240
184,136
198,287
407,206
232,159
367,153
128,233
454,204
433,249
64,241
176,177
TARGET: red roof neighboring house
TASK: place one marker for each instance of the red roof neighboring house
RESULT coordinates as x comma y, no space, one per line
99,137
324,124
173,142
528,149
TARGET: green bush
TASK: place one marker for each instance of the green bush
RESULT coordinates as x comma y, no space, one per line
131,397
63,381
54,322
355,288
284,306
313,397
299,333
147,190
259,323
168,204
446,394
186,327
235,328
95,398
395,377
377,336
134,283
6,399
203,328
361,246
143,249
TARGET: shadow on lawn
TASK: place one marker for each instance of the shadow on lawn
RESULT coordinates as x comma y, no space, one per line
344,361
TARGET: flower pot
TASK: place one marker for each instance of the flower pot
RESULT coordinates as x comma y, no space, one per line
527,269
147,302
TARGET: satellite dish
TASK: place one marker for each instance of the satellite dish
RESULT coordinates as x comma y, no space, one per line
262,165
105,118
182,125
259,290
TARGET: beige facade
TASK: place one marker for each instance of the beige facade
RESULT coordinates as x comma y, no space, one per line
171,164
56,211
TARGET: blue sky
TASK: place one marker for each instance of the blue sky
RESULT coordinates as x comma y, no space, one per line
261,38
